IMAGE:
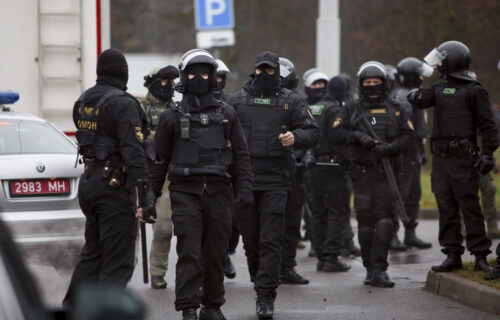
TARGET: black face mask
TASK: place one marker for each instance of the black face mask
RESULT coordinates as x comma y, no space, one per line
315,94
198,86
221,85
373,92
162,93
265,82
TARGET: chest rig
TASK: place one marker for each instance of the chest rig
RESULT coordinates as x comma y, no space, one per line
204,146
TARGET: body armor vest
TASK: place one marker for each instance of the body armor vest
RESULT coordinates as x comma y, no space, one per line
204,146
92,145
318,112
383,119
262,120
453,118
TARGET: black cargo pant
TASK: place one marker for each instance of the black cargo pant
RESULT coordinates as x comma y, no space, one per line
110,232
374,207
235,235
293,217
261,227
202,224
330,209
455,184
411,192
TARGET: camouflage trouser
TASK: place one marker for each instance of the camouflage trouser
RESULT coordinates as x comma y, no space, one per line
162,235
488,188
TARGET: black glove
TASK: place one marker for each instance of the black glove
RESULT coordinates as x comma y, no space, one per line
385,149
485,163
147,199
365,140
245,196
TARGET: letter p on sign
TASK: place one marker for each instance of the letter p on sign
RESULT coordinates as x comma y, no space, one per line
214,14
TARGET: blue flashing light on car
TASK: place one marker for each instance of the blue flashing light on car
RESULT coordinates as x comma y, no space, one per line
8,97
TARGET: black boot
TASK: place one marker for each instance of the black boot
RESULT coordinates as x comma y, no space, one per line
350,249
207,313
380,279
189,314
396,245
312,252
494,273
158,282
481,264
265,304
290,276
452,262
229,270
411,240
333,264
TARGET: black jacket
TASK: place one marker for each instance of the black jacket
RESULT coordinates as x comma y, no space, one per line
273,173
121,119
168,133
462,107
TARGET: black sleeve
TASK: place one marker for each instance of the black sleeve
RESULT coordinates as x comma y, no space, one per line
242,171
342,131
479,101
129,120
406,131
234,100
303,126
165,137
422,98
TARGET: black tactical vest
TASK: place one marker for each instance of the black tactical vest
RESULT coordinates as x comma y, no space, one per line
318,112
453,118
206,149
262,120
383,119
91,144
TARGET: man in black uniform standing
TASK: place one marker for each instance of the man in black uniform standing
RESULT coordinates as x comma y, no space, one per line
111,128
198,140
461,107
330,193
274,120
410,74
373,200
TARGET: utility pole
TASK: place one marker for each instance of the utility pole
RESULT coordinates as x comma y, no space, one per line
328,37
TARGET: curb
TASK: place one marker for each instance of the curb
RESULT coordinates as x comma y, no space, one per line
464,291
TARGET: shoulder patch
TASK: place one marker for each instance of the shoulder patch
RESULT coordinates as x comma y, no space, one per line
397,113
336,122
138,134
410,125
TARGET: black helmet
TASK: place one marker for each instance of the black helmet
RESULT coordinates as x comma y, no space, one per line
455,57
198,56
409,71
373,69
347,79
222,69
287,72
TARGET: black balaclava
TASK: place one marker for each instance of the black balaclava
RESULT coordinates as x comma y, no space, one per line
112,64
267,83
221,85
373,93
198,86
315,94
160,92
337,88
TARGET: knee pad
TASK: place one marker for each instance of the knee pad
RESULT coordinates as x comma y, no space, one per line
384,229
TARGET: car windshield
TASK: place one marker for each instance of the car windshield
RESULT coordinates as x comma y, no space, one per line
32,137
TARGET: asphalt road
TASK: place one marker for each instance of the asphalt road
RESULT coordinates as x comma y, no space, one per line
328,296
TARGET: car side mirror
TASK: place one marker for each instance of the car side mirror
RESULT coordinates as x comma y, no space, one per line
101,301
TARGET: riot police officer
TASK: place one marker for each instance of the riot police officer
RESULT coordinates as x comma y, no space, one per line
315,82
197,140
275,119
373,200
329,183
461,107
410,74
160,85
111,127
296,197
223,74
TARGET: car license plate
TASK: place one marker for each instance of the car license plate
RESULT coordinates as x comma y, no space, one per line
23,188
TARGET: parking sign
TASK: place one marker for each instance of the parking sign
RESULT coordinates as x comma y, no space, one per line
214,14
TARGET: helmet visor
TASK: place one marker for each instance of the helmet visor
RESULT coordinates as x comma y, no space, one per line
434,57
426,70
